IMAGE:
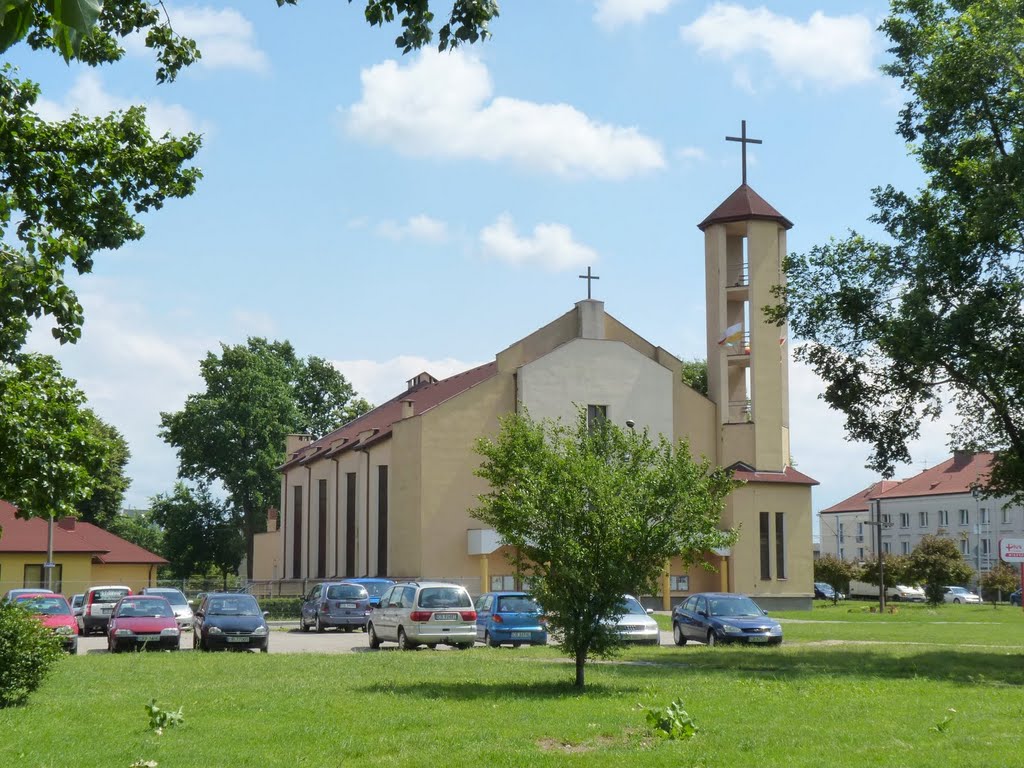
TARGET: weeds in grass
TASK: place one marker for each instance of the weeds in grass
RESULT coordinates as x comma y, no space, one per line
163,718
943,725
671,722
144,764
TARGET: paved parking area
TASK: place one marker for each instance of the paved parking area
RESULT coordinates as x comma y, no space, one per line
285,637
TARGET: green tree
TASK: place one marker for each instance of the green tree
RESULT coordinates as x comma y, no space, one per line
234,432
695,375
936,307
1000,580
138,529
193,524
52,454
592,512
110,482
936,563
836,573
895,569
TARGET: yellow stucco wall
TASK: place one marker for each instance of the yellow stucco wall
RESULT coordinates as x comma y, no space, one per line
76,570
406,492
134,576
267,556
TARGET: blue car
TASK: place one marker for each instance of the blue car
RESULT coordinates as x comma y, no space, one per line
1015,598
375,587
722,617
509,618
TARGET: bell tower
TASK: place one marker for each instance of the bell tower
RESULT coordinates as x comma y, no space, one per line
748,361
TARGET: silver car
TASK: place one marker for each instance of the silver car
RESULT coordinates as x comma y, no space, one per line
179,604
423,613
636,624
335,604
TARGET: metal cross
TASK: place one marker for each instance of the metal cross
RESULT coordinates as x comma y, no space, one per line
588,277
742,138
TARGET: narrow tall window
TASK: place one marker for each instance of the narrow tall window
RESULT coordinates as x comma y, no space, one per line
350,524
780,545
983,516
596,414
943,517
382,520
321,560
297,532
766,546
965,517
1006,516
904,547
922,518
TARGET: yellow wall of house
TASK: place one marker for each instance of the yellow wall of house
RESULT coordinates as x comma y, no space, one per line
133,576
538,343
406,493
267,556
76,570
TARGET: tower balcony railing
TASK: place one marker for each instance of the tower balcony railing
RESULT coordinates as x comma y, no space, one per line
738,348
737,277
739,411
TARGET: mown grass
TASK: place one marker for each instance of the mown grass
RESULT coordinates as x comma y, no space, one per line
808,703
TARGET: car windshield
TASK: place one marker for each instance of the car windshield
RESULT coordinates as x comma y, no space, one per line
48,606
242,605
631,606
156,608
445,597
733,606
172,596
958,590
517,604
346,592
108,595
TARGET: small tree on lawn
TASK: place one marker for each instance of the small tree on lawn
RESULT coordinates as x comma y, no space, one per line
1002,579
592,512
836,573
895,568
936,562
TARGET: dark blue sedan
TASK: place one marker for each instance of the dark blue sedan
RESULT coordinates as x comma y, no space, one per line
509,618
722,617
375,587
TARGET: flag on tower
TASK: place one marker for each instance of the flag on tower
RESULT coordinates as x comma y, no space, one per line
731,336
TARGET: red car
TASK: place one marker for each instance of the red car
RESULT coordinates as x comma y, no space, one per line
141,621
55,613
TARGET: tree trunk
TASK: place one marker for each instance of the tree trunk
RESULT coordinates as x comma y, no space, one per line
581,660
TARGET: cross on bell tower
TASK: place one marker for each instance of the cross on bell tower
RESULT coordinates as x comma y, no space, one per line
743,140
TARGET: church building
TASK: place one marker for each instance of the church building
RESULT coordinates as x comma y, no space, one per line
388,494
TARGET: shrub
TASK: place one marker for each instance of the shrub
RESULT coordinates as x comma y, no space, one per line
27,651
281,608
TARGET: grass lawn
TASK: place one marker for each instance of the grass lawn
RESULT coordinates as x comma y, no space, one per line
848,691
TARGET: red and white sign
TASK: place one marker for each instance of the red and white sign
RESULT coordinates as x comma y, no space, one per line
1011,550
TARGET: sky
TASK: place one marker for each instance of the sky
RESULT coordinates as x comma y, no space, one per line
398,213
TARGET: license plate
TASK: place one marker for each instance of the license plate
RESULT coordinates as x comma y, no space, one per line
521,635
147,638
238,639
346,605
446,617
758,639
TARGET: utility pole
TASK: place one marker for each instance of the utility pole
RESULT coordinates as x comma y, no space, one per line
876,522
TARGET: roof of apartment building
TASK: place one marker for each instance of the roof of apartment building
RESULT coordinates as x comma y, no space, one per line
860,501
69,536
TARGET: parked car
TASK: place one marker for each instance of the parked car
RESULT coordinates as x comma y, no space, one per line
179,604
636,624
509,617
10,594
722,617
335,604
97,605
375,587
905,593
76,603
1015,598
143,621
230,620
54,613
423,613
823,591
960,595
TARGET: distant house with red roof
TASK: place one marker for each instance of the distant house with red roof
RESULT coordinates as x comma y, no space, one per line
944,500
83,555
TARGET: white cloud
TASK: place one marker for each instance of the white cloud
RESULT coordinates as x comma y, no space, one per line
226,39
691,154
443,105
379,381
551,246
833,51
88,96
612,14
421,227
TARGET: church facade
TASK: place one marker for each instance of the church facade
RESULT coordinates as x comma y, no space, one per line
388,494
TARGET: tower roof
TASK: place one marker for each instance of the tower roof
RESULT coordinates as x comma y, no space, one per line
742,205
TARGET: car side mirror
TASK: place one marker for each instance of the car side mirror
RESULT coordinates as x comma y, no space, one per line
702,613
265,614
191,602
650,611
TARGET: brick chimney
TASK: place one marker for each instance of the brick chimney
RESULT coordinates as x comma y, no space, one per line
67,523
408,408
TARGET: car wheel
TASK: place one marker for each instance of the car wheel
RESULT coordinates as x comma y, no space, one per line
677,634
432,646
517,645
265,648
404,644
302,625
490,641
956,600
319,624
464,646
349,629
372,636
712,639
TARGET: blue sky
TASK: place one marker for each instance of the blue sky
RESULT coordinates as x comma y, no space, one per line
399,213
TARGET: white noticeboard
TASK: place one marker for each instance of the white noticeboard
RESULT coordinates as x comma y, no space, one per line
1012,551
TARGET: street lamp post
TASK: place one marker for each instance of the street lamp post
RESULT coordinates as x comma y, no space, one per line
877,523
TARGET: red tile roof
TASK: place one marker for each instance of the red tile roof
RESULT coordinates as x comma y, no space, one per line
860,501
424,396
741,471
958,474
742,205
30,536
